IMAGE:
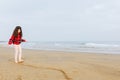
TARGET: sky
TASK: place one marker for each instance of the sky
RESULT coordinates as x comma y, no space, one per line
61,20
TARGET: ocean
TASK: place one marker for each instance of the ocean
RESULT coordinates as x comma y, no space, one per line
110,47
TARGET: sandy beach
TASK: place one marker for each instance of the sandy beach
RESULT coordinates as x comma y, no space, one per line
54,65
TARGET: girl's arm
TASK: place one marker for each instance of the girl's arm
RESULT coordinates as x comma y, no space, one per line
11,40
23,40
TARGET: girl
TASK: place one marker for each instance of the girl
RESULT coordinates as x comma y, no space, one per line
16,40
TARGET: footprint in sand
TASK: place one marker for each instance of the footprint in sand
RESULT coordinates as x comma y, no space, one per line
19,78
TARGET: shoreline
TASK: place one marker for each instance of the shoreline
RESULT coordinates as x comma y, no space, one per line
82,47
68,51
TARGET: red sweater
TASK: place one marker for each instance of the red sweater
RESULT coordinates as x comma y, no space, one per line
16,40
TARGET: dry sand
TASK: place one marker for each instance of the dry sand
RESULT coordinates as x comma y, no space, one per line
53,65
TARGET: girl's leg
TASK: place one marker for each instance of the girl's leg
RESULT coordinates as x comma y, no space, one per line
16,53
20,53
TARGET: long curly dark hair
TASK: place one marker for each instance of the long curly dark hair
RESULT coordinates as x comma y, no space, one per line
15,32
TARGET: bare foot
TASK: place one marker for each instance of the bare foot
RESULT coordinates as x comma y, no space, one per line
21,61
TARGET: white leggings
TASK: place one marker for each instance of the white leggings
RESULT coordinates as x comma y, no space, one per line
18,53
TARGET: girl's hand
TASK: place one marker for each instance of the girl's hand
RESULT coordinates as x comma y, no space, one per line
23,40
10,42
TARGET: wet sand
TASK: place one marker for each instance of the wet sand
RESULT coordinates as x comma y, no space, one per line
55,65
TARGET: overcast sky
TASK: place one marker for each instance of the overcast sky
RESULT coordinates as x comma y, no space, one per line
61,20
